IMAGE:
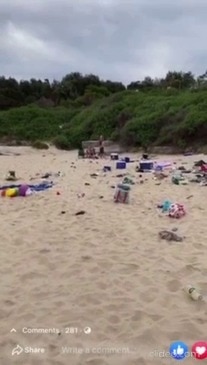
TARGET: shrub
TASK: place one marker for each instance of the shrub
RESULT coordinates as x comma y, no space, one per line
40,145
148,118
62,143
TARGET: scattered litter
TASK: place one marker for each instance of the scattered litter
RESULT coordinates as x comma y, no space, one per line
114,156
145,166
120,175
179,180
122,194
128,181
81,195
81,212
11,176
199,163
50,174
120,165
162,165
106,168
193,292
159,175
24,189
170,236
177,210
174,210
165,206
86,257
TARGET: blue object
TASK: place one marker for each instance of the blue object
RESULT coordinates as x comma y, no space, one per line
107,168
158,168
166,206
146,165
127,159
121,165
178,350
38,187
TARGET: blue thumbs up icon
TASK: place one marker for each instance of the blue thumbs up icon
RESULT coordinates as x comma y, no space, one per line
178,350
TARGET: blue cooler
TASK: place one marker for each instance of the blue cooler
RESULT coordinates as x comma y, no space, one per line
121,165
146,165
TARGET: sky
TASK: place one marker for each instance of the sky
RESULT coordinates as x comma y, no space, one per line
119,40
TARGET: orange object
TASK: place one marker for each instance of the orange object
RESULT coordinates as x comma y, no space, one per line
3,193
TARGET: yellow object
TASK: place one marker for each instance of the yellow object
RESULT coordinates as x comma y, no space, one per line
10,193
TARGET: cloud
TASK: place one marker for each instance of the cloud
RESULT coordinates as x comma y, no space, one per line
121,40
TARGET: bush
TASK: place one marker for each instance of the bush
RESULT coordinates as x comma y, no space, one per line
62,143
40,145
166,117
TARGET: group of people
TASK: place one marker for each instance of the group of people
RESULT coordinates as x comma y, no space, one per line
91,151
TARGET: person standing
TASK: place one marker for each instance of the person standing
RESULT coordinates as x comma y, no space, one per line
101,146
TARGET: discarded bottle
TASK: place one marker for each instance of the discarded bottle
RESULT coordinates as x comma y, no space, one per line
194,294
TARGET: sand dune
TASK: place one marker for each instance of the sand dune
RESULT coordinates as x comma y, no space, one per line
106,269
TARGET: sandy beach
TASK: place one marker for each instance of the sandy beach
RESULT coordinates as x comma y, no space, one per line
107,269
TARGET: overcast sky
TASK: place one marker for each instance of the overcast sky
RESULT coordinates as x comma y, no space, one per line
121,40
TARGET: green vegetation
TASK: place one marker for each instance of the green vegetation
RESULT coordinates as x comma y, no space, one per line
39,145
172,111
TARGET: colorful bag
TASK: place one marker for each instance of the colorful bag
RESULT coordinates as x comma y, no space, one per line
177,210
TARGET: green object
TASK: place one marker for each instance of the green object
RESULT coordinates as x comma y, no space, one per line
175,180
124,187
128,181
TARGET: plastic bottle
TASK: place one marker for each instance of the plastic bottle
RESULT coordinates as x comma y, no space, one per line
194,294
166,206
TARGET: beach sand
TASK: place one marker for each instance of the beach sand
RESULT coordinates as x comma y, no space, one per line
107,269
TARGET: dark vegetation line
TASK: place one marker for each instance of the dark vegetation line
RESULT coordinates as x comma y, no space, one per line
169,111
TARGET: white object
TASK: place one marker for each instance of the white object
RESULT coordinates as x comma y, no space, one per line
194,294
114,156
29,192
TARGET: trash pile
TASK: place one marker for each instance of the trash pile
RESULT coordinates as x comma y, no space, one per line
24,189
174,210
179,179
170,236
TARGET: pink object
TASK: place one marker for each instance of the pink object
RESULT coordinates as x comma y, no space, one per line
177,211
23,190
121,196
204,168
